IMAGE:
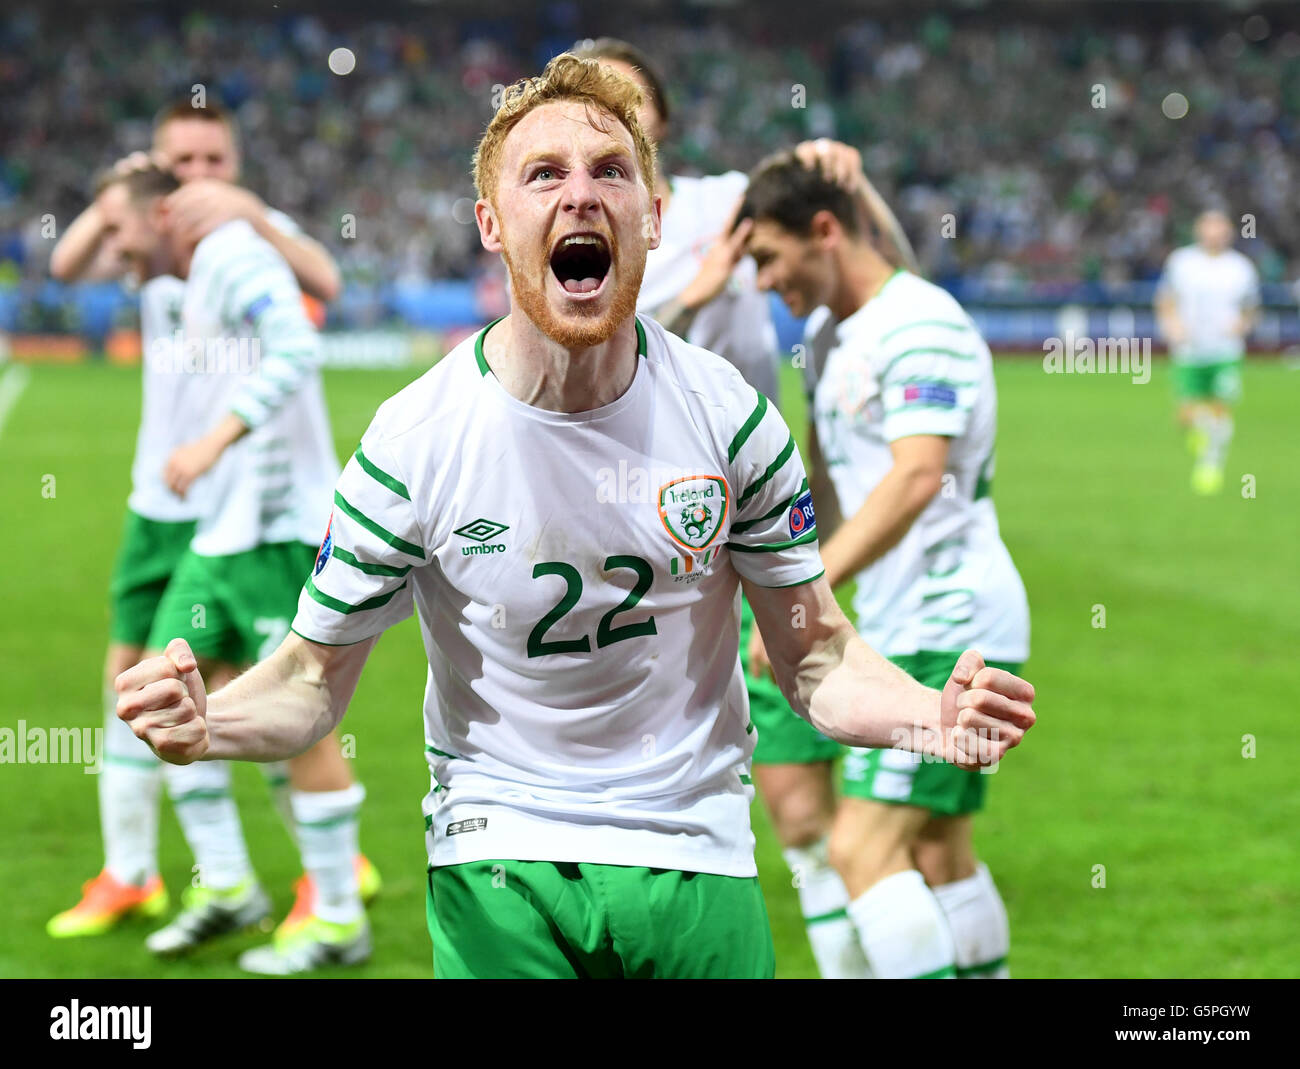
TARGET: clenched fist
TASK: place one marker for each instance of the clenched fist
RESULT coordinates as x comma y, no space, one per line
983,712
163,701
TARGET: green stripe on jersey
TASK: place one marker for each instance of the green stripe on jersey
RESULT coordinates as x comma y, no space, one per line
369,569
800,582
747,428
941,323
739,528
409,548
948,593
774,547
380,476
342,606
923,350
772,469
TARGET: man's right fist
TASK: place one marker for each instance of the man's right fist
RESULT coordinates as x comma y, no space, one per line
163,701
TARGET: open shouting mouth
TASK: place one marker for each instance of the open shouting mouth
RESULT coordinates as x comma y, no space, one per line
580,263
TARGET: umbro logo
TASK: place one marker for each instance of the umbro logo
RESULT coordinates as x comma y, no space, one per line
481,531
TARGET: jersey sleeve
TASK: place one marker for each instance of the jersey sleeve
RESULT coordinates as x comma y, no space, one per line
928,384
773,537
286,224
360,584
264,295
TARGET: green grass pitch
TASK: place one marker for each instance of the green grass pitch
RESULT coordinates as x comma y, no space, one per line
1138,763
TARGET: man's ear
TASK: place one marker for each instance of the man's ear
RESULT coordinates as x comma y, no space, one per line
158,215
489,228
826,229
654,221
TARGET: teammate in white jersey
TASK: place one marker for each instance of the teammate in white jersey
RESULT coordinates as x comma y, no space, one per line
201,148
700,285
905,417
264,449
1206,304
562,496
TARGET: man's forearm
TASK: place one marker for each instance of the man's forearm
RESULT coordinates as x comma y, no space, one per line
852,694
884,518
675,317
75,252
278,709
899,251
310,262
833,679
1171,327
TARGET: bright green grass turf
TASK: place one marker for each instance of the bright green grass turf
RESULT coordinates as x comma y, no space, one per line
1136,764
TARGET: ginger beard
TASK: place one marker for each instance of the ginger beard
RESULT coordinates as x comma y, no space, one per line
584,324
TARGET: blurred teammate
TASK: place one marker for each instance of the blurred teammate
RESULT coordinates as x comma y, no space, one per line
585,711
201,146
1206,304
268,457
905,419
699,284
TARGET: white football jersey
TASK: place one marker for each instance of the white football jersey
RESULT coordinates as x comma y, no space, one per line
170,400
247,335
1211,293
737,324
910,361
576,580
173,403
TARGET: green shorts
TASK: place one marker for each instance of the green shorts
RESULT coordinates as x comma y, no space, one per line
235,608
906,778
784,737
568,920
148,554
1219,381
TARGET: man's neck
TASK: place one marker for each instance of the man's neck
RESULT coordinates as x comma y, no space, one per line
863,273
541,372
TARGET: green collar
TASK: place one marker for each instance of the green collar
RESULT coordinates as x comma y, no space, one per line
482,360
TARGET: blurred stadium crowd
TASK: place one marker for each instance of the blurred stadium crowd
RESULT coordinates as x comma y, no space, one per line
992,119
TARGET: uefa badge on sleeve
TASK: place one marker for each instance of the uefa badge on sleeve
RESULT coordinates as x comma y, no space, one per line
802,516
326,547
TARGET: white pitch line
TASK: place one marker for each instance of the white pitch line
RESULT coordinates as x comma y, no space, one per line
13,380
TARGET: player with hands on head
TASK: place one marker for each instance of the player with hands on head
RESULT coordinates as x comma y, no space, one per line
904,408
